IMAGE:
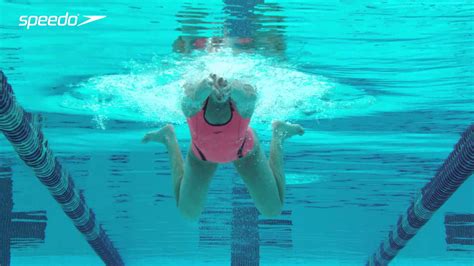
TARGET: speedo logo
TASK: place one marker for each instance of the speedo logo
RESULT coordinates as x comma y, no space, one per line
57,21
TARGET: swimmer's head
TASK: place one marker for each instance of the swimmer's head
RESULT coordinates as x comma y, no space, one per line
220,90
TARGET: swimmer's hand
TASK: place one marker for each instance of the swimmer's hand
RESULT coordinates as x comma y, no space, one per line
195,94
199,91
242,91
221,90
218,82
244,96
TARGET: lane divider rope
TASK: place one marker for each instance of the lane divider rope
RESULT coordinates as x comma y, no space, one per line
23,131
456,169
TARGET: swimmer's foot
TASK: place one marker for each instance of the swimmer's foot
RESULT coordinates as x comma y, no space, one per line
286,130
164,135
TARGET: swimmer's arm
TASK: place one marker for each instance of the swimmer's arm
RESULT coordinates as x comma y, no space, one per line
194,96
244,96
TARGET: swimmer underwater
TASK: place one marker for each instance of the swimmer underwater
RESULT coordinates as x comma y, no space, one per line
218,113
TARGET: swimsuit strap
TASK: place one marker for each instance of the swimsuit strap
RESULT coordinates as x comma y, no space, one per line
241,149
205,104
200,153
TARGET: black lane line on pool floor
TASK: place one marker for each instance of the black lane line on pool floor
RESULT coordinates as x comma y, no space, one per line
231,219
245,247
459,231
249,233
17,229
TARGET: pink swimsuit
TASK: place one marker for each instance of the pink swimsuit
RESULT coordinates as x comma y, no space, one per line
220,143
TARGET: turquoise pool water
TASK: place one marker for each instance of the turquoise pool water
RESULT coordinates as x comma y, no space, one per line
383,90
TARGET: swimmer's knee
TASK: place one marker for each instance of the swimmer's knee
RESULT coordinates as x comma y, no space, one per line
190,212
271,211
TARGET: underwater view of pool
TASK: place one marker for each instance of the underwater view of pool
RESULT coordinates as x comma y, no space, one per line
383,89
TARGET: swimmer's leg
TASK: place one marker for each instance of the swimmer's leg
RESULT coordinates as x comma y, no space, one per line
281,132
265,179
191,178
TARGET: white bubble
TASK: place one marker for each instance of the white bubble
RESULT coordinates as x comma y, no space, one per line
152,92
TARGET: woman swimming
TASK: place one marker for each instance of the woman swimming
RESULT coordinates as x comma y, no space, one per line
218,114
